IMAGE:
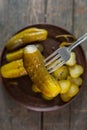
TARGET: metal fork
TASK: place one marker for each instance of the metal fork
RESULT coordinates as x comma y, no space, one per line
62,55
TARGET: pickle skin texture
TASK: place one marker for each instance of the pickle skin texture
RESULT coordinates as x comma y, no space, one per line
14,55
33,63
35,88
13,69
26,36
18,54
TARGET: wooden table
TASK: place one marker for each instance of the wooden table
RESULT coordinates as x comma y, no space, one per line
16,14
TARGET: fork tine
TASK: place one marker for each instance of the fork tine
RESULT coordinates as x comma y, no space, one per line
52,60
56,67
50,56
54,64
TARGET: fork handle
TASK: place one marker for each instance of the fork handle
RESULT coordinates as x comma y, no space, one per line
77,42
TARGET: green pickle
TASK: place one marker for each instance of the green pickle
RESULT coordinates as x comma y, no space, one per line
18,54
13,69
25,37
14,55
33,63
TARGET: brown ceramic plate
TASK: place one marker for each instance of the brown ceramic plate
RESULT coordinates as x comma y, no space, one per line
20,88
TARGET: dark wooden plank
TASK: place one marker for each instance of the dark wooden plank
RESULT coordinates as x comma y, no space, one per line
15,15
78,119
57,120
36,13
58,13
80,19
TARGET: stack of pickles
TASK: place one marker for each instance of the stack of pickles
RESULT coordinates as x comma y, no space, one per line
25,58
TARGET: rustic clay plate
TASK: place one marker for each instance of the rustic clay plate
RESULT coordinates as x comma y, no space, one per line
20,88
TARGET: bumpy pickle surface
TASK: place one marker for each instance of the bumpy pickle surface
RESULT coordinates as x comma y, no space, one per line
25,37
33,63
13,69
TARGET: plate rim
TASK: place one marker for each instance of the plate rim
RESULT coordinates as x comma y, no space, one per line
52,108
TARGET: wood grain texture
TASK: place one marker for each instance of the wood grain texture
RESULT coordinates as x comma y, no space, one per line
60,13
80,19
22,119
78,119
56,120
